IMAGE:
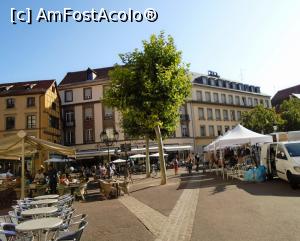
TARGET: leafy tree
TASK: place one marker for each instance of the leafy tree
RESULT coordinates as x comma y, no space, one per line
290,113
261,119
154,83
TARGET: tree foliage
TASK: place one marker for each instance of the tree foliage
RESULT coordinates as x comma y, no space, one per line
290,113
153,83
261,120
149,88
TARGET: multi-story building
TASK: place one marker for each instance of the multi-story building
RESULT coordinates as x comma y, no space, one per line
32,106
215,105
285,94
85,116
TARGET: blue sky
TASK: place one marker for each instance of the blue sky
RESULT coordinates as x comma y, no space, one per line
253,41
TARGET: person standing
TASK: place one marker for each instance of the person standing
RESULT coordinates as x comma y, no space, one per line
176,165
52,175
197,161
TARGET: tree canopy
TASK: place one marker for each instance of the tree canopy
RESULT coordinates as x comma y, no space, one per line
261,120
290,113
152,82
149,88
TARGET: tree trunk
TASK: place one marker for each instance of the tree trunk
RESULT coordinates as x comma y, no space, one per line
147,158
163,172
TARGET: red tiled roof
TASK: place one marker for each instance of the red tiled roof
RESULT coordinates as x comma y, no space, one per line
19,88
81,76
284,94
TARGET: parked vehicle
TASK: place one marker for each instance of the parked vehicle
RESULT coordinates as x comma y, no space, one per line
282,159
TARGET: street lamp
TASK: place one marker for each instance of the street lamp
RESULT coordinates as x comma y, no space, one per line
108,137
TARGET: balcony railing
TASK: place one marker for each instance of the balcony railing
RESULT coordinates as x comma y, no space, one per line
184,117
70,124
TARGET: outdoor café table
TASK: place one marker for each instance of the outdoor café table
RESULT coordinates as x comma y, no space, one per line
38,225
50,196
73,187
38,212
43,202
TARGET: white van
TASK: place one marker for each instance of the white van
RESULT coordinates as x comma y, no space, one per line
282,159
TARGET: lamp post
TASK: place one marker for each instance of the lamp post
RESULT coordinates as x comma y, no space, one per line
108,137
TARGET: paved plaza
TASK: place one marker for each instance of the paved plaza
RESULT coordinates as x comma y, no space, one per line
201,206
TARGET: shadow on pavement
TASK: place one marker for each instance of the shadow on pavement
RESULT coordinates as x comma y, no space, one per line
276,187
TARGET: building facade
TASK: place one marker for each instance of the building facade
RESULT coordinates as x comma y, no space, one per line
85,116
215,106
31,106
285,94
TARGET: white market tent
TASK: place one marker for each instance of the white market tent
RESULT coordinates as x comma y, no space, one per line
238,136
156,155
212,146
241,135
138,156
18,146
119,161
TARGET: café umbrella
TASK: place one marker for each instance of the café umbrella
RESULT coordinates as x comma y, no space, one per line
119,161
137,156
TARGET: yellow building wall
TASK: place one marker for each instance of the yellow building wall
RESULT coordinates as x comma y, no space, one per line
20,112
42,109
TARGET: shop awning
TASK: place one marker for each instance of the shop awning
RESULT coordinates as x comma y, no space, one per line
20,145
178,148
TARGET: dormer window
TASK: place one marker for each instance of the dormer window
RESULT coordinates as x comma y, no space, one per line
29,86
90,75
5,88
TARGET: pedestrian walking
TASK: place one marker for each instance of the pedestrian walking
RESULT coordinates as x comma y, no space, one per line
176,163
153,172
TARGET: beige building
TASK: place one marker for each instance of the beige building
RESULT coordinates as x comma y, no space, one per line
85,116
214,106
31,106
217,105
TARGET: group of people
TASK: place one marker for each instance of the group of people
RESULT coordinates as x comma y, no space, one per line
190,161
53,177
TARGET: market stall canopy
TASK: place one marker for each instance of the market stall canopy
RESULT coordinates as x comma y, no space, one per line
241,135
138,156
157,155
212,146
119,161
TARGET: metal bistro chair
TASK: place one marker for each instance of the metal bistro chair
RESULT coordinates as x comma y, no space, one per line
74,235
